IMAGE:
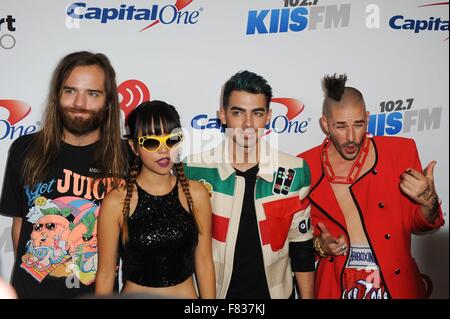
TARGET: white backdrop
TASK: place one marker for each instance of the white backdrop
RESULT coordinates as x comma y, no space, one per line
395,52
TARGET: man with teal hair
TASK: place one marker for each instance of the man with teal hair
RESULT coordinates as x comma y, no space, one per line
261,223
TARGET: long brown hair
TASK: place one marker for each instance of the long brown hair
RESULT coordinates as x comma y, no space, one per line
110,157
157,118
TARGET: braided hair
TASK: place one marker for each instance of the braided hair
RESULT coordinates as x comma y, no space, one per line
151,118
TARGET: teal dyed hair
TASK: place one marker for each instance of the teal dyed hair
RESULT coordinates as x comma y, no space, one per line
248,82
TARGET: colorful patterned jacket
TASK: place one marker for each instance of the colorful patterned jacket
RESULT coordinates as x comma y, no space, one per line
283,212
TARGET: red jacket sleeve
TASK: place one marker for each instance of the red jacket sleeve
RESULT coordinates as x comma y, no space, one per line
418,222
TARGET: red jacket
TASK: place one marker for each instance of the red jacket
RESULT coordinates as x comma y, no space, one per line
388,218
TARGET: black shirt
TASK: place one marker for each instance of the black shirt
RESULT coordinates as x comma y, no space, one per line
248,280
57,248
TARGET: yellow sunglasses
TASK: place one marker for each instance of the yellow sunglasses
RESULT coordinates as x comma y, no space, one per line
152,143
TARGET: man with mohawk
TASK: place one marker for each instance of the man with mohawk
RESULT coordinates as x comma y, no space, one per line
368,195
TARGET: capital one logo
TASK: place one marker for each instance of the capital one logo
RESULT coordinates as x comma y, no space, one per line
17,111
433,24
153,13
180,4
284,123
438,4
131,94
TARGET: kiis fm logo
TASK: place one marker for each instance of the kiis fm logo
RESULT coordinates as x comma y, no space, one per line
17,110
397,117
399,22
297,16
156,13
284,123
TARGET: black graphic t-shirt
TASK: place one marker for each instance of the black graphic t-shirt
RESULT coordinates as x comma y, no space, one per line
57,249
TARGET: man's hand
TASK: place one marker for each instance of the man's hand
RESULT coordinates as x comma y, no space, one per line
332,245
420,188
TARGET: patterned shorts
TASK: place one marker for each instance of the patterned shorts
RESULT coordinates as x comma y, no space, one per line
361,278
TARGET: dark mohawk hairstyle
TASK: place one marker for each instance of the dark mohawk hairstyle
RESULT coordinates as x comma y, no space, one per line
335,86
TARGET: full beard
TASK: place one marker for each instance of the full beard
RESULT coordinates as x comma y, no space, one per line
80,125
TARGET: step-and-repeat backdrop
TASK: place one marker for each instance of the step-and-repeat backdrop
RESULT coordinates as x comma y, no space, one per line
182,51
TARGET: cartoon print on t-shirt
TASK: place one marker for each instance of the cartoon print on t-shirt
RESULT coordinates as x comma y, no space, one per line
64,239
83,245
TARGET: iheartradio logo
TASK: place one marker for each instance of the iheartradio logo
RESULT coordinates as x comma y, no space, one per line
131,94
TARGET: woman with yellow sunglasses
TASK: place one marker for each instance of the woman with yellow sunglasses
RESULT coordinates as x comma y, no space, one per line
163,220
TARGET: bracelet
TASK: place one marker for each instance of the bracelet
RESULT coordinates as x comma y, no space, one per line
318,248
